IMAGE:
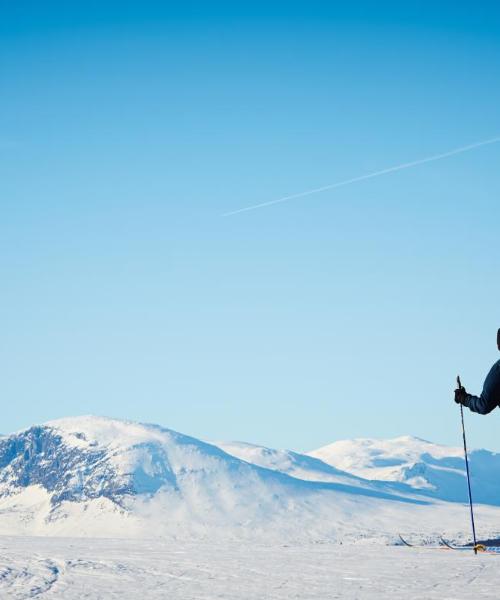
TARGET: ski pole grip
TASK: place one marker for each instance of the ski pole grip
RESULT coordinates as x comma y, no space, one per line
459,382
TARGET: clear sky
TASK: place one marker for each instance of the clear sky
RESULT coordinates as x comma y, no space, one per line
128,129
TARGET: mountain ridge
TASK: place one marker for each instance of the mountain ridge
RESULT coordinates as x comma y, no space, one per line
108,477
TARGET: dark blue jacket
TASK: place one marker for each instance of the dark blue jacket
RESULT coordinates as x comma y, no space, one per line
490,398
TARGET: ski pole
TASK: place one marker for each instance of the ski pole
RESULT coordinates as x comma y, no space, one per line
467,469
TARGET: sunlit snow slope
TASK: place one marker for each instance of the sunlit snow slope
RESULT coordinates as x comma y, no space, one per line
432,469
292,463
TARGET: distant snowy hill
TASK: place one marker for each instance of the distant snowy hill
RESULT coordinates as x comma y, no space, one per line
93,476
291,463
432,469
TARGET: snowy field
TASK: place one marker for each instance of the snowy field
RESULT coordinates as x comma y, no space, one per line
102,569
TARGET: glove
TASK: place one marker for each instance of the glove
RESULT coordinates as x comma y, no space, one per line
460,395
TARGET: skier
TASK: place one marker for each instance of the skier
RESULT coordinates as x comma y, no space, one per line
490,397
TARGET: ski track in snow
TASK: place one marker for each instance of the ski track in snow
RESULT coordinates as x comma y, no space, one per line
129,569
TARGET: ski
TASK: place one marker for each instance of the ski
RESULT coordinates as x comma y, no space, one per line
448,545
405,542
443,544
451,547
483,548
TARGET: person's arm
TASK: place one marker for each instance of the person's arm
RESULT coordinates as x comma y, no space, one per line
482,404
490,398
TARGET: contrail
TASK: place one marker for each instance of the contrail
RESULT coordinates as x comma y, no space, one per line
332,186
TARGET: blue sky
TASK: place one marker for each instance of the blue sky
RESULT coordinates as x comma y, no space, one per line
128,129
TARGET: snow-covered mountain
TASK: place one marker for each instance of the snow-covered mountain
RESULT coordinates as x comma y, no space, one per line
93,476
291,463
432,469
103,474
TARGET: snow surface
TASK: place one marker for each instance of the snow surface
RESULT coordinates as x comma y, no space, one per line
72,569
